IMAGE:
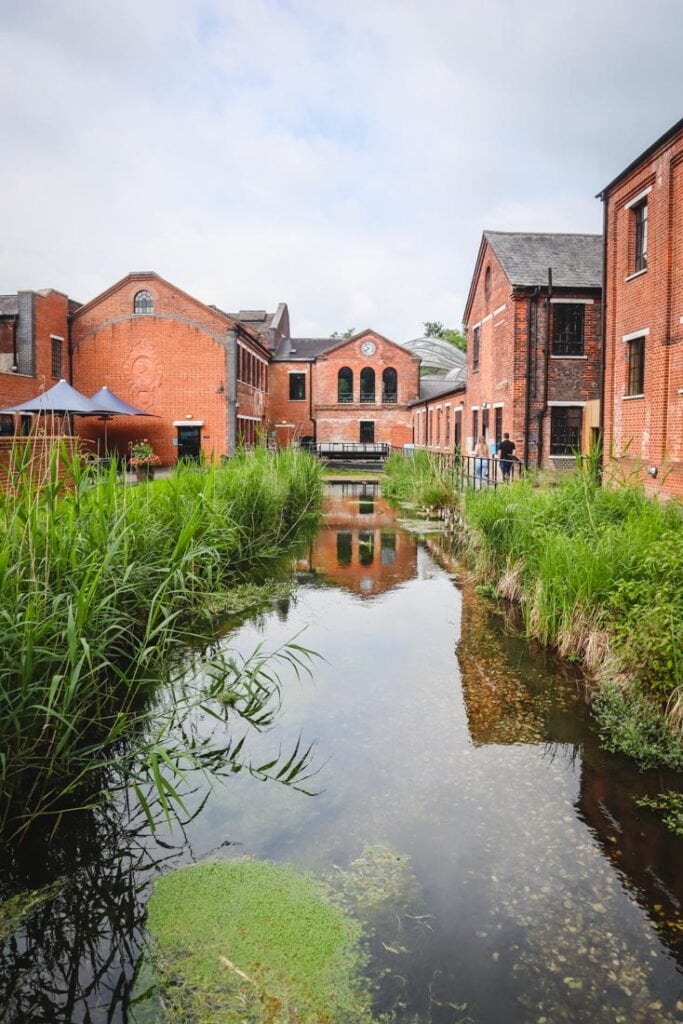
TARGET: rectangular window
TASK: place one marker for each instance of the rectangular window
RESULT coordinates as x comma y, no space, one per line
447,438
56,357
475,426
640,232
636,367
438,428
565,429
568,326
485,423
367,432
475,348
6,426
499,425
457,430
297,387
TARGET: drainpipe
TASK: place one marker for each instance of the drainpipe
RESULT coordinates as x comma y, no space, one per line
231,379
310,402
603,344
531,319
546,363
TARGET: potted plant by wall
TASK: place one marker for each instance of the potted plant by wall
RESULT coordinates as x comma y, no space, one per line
143,460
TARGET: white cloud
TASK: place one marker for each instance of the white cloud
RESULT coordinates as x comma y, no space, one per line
341,157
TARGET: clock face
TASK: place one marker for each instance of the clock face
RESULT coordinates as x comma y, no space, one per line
368,348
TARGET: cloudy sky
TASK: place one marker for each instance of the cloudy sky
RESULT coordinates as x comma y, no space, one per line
340,155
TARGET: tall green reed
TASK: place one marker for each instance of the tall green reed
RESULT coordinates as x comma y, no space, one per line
100,585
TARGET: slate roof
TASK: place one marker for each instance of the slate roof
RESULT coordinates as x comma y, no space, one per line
576,260
303,349
434,387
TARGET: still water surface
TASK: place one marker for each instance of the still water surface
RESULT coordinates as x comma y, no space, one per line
539,891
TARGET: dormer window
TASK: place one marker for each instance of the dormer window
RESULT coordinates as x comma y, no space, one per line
143,303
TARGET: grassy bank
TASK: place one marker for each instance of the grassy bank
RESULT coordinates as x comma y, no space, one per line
99,583
598,573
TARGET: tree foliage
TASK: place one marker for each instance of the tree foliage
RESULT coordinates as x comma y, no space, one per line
435,329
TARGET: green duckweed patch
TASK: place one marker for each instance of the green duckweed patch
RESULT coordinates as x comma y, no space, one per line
256,943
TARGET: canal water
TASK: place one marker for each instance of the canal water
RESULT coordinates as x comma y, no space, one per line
458,777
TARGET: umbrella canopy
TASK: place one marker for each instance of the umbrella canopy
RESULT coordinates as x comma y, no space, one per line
62,399
111,405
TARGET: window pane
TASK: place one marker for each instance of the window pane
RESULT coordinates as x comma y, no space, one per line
636,367
142,303
297,387
568,329
565,430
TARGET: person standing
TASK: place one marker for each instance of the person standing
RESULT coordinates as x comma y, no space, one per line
506,449
481,462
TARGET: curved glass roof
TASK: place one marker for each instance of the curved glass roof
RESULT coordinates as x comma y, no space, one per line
437,354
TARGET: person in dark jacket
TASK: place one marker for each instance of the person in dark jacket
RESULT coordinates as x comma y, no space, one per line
506,449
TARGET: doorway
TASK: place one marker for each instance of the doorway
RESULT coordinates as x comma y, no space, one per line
367,431
189,443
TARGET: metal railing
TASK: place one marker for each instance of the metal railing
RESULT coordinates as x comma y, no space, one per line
472,470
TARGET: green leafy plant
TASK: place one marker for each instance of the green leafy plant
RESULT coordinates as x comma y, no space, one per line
669,806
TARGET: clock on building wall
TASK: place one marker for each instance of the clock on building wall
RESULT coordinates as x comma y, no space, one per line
368,348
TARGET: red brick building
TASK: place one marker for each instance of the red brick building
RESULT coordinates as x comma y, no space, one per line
532,321
643,336
34,349
200,374
352,389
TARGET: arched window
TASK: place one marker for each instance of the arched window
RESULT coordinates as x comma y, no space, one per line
389,385
143,302
367,384
345,385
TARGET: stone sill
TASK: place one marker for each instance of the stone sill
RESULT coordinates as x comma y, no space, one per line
637,273
568,357
629,398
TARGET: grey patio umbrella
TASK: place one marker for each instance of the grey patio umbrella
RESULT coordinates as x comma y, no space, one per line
111,405
62,399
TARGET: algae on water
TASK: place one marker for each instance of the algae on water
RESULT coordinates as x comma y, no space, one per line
251,942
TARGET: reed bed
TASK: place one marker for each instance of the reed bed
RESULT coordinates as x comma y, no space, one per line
100,586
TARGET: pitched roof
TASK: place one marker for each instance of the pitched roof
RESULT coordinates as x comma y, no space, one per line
576,260
435,387
651,149
302,349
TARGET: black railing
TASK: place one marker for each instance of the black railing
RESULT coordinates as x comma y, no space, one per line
366,450
473,470
367,398
345,399
390,397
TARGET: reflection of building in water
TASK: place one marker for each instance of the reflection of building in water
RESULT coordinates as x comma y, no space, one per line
515,694
509,696
360,548
638,846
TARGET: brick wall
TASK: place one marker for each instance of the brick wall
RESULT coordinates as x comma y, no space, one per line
323,416
647,430
172,363
42,315
508,319
495,381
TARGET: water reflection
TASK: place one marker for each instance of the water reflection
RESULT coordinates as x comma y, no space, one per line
360,549
540,890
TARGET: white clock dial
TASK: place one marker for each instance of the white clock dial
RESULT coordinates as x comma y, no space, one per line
368,348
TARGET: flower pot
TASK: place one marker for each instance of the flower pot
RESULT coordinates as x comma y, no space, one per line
144,473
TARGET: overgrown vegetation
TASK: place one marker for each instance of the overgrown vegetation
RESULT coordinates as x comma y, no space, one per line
598,572
253,942
418,480
99,583
669,806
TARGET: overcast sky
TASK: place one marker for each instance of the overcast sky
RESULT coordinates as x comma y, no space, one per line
342,156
